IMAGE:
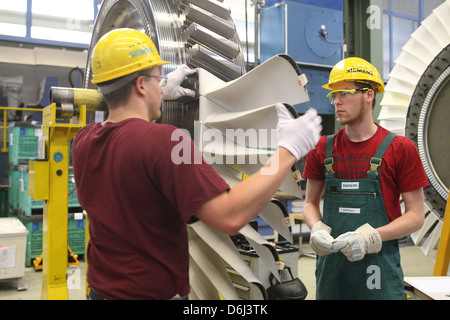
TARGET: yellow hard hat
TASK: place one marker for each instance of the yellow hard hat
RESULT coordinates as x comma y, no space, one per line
121,52
358,70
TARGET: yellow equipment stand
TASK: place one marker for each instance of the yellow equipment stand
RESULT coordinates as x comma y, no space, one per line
72,260
49,181
443,254
55,213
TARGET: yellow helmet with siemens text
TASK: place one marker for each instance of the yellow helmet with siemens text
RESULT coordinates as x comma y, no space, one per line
358,70
121,52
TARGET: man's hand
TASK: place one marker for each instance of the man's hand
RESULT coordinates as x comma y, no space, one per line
298,135
360,242
172,89
321,241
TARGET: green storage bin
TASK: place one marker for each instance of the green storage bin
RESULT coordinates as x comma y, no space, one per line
14,185
76,237
23,144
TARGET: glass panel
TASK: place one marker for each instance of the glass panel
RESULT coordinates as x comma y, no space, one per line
402,30
408,7
80,9
63,20
13,18
430,5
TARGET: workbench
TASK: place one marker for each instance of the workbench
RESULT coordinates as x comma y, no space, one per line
428,288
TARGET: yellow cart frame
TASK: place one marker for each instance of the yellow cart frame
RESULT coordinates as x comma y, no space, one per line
49,178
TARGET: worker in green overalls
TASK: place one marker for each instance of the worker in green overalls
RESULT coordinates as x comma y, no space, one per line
361,171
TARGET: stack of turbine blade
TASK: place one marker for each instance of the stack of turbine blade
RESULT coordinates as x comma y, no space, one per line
222,68
211,38
214,42
218,9
209,20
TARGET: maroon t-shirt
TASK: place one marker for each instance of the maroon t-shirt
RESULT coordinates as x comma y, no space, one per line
139,198
401,169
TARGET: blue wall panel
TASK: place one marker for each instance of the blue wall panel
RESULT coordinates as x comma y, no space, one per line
311,32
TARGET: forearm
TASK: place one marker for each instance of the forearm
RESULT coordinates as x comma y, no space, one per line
253,194
410,221
230,211
311,213
311,209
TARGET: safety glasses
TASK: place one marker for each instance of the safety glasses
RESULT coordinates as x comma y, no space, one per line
343,94
162,81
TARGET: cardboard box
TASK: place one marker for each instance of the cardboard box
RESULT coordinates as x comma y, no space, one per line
13,241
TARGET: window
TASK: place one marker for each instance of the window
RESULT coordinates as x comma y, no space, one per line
13,18
60,20
401,18
430,5
52,22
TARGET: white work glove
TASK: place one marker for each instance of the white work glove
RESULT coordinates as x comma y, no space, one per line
321,240
298,135
172,88
360,242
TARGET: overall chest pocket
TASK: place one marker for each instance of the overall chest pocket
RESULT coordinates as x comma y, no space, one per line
351,208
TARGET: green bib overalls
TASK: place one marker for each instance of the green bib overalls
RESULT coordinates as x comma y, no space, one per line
349,204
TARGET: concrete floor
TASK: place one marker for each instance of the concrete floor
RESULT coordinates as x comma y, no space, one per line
33,281
414,264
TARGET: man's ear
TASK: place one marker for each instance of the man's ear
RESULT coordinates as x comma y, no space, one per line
139,85
371,94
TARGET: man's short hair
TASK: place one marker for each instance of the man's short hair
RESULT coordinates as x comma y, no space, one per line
120,96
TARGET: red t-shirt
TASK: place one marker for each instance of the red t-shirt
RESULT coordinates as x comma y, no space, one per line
138,203
401,169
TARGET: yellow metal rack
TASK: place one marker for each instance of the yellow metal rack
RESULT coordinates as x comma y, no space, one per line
48,180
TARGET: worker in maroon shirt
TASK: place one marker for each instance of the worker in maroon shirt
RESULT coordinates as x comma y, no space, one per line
137,199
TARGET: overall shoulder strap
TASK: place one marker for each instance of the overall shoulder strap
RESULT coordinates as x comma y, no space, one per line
375,161
328,162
